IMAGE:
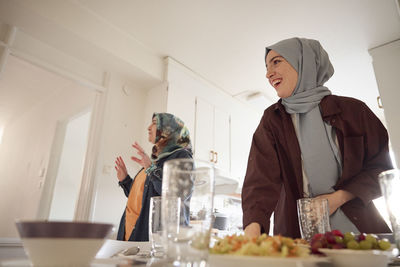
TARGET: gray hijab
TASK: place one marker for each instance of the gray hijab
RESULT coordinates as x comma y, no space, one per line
320,155
314,68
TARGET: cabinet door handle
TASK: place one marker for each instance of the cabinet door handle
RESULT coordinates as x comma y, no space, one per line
379,102
216,157
211,156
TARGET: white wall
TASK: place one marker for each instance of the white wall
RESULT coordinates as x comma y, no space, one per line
123,124
41,52
156,101
25,151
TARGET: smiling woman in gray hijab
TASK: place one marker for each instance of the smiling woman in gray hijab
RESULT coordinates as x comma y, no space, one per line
312,144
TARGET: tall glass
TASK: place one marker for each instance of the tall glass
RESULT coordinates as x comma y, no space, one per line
313,216
390,186
155,227
188,193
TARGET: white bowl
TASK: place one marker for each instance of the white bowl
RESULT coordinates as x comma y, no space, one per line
358,258
62,243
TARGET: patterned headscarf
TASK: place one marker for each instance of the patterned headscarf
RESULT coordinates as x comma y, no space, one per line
171,135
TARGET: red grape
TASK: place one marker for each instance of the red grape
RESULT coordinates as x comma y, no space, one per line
361,237
330,238
337,233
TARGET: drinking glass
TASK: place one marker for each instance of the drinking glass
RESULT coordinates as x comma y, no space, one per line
313,217
188,193
390,186
155,227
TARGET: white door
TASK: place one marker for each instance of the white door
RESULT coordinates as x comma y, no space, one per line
69,174
204,131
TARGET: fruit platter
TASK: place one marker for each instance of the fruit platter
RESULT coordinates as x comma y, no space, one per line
353,250
337,240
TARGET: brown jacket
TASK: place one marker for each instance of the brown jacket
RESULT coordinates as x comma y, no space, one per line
274,179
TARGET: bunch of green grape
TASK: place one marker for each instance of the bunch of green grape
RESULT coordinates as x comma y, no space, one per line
337,240
365,241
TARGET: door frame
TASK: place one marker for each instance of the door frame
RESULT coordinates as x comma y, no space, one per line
83,211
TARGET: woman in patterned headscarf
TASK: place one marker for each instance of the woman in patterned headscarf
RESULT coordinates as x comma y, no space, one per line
313,144
171,140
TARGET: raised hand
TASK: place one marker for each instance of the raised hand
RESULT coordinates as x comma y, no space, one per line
144,159
121,169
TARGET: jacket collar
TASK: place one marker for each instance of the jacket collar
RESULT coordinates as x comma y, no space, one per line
328,106
278,106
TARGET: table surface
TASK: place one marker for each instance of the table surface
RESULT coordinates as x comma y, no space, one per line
12,254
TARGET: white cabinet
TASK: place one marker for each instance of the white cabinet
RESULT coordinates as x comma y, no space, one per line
204,131
222,140
212,135
221,127
386,62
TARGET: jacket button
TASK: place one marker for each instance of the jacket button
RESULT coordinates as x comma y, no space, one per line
333,121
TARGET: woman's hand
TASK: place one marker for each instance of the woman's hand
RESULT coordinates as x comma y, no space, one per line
121,169
253,230
144,160
336,199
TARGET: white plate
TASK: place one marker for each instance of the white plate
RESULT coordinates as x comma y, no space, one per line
358,258
217,260
111,247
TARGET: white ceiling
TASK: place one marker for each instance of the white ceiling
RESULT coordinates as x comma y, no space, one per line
224,41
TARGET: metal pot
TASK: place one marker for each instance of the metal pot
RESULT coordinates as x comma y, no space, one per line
220,221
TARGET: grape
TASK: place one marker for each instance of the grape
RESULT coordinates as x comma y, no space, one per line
330,238
361,237
352,244
333,240
348,237
384,244
339,240
337,233
371,237
336,240
365,244
317,237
